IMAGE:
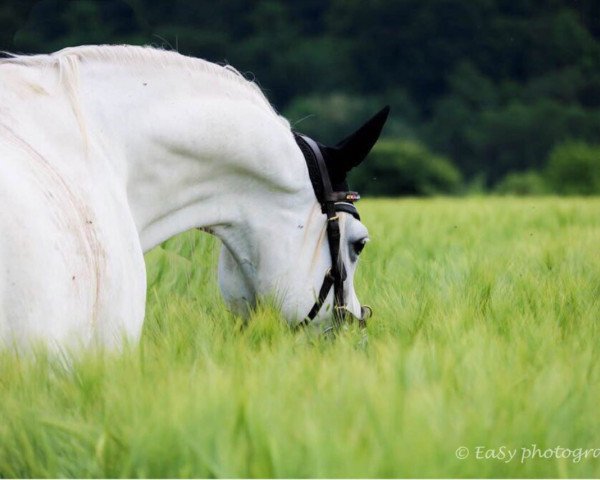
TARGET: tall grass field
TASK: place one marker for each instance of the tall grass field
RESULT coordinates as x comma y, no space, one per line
485,342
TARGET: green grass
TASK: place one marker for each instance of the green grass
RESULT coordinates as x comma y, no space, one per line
485,333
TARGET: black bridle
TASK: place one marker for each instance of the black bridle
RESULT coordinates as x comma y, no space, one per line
332,202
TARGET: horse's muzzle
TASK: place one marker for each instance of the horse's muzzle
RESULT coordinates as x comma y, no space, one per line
366,312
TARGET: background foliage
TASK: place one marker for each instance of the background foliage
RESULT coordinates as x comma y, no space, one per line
491,85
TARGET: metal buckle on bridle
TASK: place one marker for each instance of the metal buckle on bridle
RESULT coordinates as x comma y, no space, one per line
331,203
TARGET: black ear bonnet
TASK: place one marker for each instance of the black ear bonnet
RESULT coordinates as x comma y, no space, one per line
344,156
338,179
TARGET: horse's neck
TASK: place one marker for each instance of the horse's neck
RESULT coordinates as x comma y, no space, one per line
190,148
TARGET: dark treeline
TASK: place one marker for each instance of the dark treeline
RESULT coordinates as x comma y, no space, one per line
492,86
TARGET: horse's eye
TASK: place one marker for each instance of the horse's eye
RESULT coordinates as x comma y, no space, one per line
359,245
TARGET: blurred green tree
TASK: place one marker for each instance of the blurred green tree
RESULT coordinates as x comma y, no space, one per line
574,169
522,183
405,168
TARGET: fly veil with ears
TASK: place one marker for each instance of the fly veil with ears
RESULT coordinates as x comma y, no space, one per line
328,168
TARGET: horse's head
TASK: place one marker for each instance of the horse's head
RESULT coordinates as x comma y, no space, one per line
304,243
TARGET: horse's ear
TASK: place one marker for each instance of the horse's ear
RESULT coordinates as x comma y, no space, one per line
348,153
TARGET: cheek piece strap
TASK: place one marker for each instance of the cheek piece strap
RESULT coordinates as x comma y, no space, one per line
331,204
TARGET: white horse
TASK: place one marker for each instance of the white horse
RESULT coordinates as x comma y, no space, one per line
107,151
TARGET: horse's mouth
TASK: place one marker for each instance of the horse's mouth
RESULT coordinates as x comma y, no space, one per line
366,312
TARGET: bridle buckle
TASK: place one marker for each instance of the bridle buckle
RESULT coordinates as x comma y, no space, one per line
329,274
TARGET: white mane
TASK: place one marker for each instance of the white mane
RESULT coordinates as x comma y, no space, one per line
68,59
